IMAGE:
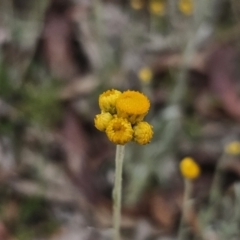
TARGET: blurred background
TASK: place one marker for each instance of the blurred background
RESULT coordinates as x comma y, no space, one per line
57,170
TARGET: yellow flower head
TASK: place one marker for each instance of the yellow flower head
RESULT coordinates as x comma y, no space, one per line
107,101
157,7
189,168
233,148
142,133
133,106
186,6
145,74
119,131
101,120
137,4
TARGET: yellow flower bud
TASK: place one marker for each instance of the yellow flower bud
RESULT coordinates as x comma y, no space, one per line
119,131
186,6
133,106
137,4
157,7
142,133
102,120
145,74
107,101
189,168
233,148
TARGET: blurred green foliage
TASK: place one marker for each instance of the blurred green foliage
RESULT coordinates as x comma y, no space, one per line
6,86
30,218
41,104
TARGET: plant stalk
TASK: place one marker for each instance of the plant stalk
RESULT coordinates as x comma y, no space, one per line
185,209
117,191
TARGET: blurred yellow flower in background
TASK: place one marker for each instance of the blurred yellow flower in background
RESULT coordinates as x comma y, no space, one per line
137,4
233,148
157,7
145,74
142,133
133,106
186,6
189,168
119,131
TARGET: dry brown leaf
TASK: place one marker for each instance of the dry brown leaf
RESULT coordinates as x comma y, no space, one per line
220,72
164,208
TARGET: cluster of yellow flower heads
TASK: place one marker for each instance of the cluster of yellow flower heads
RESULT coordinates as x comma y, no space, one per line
122,115
189,168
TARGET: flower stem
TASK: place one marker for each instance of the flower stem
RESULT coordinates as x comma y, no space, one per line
117,191
215,192
185,209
